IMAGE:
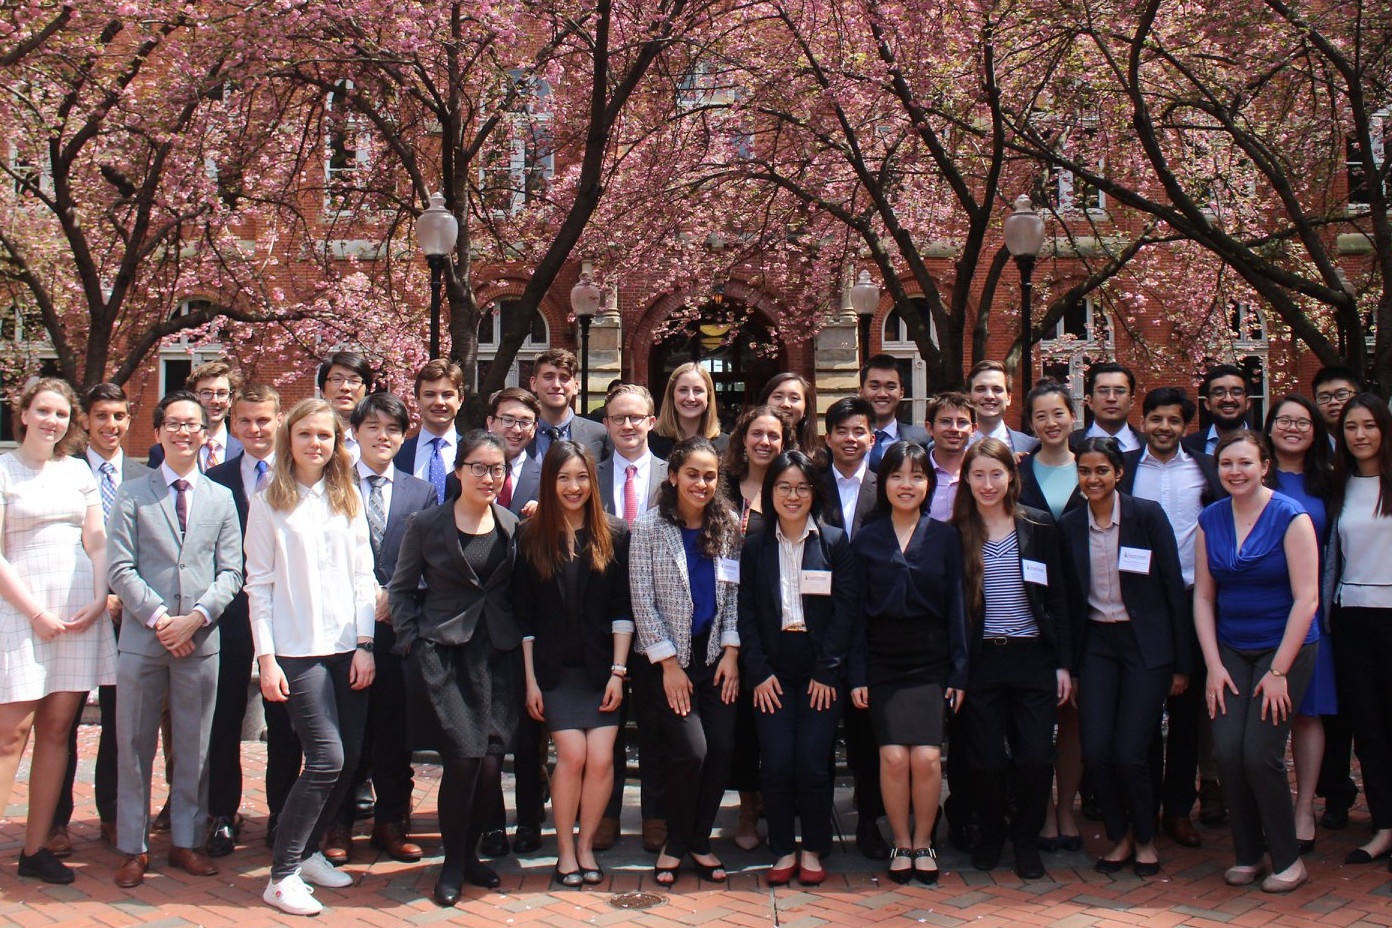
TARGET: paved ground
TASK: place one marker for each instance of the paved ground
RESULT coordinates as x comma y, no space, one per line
1189,892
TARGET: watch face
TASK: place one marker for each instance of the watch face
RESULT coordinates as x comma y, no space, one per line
365,646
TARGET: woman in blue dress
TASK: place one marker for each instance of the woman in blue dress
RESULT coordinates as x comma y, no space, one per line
1256,590
1304,471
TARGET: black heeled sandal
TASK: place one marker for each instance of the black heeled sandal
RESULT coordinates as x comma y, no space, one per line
901,876
707,871
926,877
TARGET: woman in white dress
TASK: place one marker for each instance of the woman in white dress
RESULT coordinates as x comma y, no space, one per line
56,643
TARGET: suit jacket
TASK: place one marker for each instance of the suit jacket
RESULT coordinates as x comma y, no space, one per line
405,463
408,495
455,603
1213,490
914,433
150,565
1032,494
831,500
583,432
528,485
605,475
234,448
236,618
598,609
1037,537
1020,443
1155,602
661,592
830,619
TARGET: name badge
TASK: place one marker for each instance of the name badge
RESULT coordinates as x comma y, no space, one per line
726,570
1134,560
815,583
1035,571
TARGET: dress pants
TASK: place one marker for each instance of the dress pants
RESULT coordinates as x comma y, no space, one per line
225,742
1175,758
1252,758
104,779
1362,658
143,683
863,757
1119,704
643,703
386,748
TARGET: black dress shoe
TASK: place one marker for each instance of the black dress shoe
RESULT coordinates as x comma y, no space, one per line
481,875
43,865
526,840
870,842
222,840
446,894
1335,818
1360,856
1028,866
364,801
494,844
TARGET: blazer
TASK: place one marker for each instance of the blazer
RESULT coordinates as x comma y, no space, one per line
830,619
584,432
1155,602
1037,537
605,475
455,603
914,433
1213,489
1020,443
528,485
661,594
600,608
405,463
234,448
409,495
236,618
1032,494
831,500
149,565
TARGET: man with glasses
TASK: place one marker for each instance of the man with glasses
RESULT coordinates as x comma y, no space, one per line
512,416
1109,392
1227,397
343,380
214,383
951,424
1333,387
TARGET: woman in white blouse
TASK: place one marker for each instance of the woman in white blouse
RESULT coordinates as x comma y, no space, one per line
312,596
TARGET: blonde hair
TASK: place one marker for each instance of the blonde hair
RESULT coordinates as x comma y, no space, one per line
667,420
283,495
74,438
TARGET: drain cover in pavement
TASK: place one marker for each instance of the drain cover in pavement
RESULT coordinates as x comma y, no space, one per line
636,900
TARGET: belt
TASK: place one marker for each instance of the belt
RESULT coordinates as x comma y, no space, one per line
1001,641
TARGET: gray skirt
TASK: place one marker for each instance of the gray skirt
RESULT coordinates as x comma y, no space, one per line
574,704
472,695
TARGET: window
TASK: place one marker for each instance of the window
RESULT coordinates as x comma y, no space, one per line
178,356
27,174
490,333
347,152
1069,193
709,94
1249,342
913,372
518,166
1081,322
1081,337
1359,193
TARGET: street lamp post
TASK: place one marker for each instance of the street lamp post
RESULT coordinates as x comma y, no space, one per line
437,231
1024,238
585,301
865,299
1345,285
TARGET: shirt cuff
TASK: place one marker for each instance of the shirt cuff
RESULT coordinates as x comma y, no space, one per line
207,618
160,613
660,651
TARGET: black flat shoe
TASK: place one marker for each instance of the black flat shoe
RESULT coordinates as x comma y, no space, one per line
1070,843
1144,869
526,840
446,894
1360,856
45,866
926,877
901,876
1048,845
494,844
592,876
1028,866
1104,865
571,879
481,875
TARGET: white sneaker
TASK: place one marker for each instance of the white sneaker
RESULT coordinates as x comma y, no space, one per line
316,869
291,895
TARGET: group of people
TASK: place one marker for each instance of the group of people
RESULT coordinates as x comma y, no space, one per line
1143,616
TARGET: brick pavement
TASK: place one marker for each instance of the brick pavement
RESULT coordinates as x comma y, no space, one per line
1190,892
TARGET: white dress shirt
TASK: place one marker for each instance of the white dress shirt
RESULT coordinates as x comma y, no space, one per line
848,489
1127,438
310,585
365,485
642,480
249,472
95,461
351,443
425,450
790,575
1178,486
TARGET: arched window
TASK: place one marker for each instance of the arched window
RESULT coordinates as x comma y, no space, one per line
913,373
490,335
178,357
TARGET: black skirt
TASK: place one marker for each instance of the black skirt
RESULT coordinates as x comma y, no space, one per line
908,713
469,696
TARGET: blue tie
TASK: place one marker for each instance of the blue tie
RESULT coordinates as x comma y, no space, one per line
261,469
437,468
877,452
108,488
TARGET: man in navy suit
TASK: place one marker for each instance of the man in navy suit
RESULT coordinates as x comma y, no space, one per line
255,418
429,454
1109,392
556,385
390,495
883,388
215,383
513,414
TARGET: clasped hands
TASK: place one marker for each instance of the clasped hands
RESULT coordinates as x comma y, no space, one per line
176,632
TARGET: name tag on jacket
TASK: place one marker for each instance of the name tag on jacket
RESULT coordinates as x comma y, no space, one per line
1134,560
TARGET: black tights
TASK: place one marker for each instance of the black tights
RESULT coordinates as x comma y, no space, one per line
467,789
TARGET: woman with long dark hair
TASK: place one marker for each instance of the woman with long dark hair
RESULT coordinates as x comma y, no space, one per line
791,395
1021,646
684,577
463,647
570,594
914,629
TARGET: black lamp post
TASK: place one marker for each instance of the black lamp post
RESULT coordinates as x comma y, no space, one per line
437,231
1347,286
865,299
585,300
1024,237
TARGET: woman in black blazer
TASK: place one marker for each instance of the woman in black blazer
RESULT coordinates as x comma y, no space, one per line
462,644
797,608
1021,651
570,594
1137,645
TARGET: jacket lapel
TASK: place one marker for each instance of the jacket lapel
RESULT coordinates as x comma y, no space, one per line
164,498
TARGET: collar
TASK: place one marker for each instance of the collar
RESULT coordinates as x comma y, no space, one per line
563,424
95,460
364,472
320,489
1001,431
809,529
1116,514
932,459
1181,457
449,438
641,462
220,436
169,476
858,476
891,428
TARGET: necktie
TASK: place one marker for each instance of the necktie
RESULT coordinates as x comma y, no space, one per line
181,488
376,511
551,433
437,468
877,452
262,476
214,458
505,494
108,488
630,510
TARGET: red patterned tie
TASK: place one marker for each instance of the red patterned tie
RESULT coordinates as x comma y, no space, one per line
505,494
630,493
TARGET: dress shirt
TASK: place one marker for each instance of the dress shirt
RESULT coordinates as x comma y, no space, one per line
543,441
790,575
944,490
515,465
1104,552
95,461
642,481
1178,485
1127,439
891,429
310,585
248,471
425,450
848,489
351,443
1001,431
390,474
169,477
220,436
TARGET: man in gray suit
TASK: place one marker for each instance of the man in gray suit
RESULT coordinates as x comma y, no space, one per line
629,417
174,546
513,414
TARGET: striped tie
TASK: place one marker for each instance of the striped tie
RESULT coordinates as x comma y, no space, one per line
437,468
108,488
376,511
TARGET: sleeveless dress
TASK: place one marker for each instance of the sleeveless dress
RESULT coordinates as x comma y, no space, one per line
44,511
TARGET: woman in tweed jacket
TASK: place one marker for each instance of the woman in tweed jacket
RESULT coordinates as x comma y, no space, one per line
684,574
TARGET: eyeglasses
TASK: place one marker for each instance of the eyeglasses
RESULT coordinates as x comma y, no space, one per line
1236,393
792,489
1293,425
1110,391
192,428
627,421
486,470
214,394
338,380
512,422
1338,396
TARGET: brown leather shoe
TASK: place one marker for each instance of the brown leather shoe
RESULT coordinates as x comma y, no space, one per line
337,844
654,834
606,834
194,862
59,844
391,838
161,823
132,872
108,833
1182,830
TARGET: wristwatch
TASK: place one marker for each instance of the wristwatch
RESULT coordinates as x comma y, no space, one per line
365,646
